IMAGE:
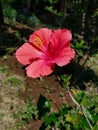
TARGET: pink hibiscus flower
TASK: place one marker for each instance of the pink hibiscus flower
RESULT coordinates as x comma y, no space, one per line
44,49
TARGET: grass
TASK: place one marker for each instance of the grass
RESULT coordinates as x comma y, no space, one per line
4,69
25,114
10,85
1,114
14,81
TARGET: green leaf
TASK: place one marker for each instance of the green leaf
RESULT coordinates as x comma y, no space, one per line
89,115
79,45
43,106
79,96
83,123
68,127
95,127
51,118
66,78
96,117
63,110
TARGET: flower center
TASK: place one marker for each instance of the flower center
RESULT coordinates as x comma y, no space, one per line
37,41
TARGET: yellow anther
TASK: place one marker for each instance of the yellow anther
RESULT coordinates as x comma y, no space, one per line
37,41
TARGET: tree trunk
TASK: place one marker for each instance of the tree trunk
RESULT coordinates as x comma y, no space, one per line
1,15
63,6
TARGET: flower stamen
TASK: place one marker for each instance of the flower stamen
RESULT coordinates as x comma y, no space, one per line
37,41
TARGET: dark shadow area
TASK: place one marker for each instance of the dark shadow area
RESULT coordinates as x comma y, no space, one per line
82,77
12,37
47,18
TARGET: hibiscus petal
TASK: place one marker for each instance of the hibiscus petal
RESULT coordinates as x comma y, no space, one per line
61,38
26,53
44,34
64,56
39,68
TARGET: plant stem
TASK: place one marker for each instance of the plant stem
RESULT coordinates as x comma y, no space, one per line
84,113
80,107
40,78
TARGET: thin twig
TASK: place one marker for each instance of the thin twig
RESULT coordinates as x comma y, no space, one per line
80,107
41,78
84,113
73,98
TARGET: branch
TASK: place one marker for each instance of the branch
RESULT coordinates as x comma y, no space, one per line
80,107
